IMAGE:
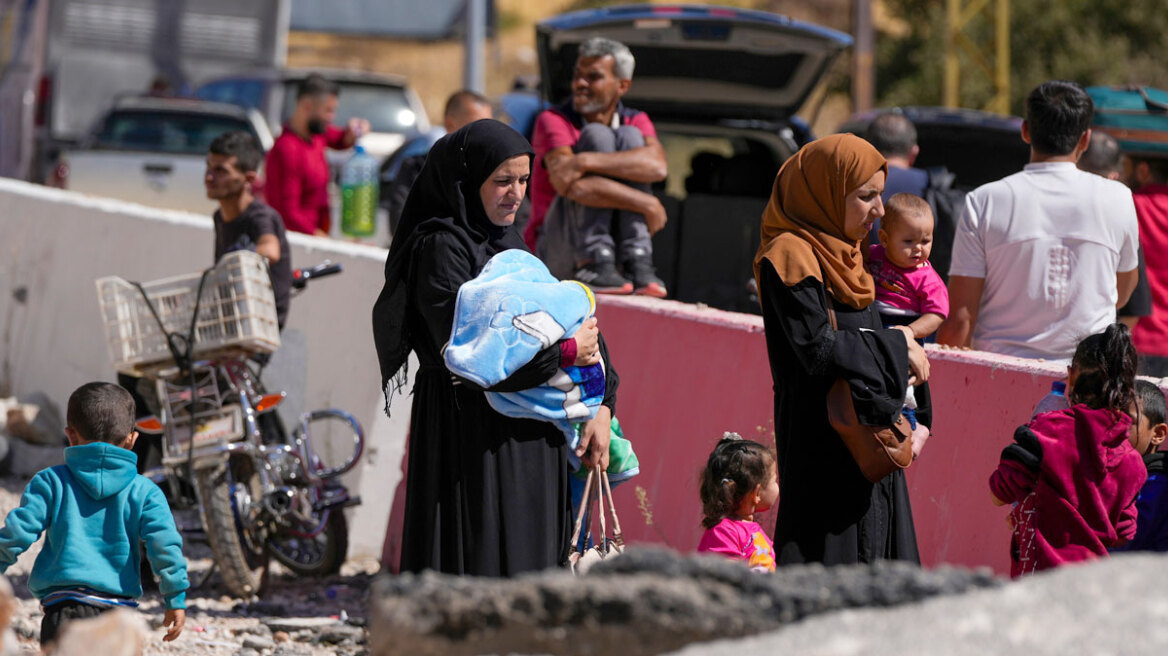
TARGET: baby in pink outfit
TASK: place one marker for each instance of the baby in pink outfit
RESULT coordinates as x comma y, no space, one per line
909,291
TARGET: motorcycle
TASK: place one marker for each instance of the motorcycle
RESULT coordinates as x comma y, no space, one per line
261,491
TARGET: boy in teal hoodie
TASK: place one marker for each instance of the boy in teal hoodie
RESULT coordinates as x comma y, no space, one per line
95,510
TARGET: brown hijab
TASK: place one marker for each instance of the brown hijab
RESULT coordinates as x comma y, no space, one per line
803,224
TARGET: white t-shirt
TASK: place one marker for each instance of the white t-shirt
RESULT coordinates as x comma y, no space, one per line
1048,241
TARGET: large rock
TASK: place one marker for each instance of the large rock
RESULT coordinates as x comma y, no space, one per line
1113,606
120,632
648,601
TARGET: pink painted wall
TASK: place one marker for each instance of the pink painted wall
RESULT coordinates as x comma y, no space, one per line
688,374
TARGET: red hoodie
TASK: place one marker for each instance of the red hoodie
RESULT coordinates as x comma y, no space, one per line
1073,477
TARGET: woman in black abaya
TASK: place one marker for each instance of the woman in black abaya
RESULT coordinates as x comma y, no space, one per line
824,200
486,495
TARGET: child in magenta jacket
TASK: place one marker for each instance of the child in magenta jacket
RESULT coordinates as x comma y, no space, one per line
1073,474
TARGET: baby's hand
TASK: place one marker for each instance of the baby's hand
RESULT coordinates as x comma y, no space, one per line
174,621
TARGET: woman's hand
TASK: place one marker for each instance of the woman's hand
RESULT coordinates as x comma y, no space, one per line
593,447
918,361
587,344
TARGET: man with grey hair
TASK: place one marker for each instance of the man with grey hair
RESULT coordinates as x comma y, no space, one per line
1102,157
592,209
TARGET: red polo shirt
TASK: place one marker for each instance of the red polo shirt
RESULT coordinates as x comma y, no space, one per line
297,177
555,128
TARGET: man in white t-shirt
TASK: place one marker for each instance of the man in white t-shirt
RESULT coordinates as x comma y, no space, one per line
1043,257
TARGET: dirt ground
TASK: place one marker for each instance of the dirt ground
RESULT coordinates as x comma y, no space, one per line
294,616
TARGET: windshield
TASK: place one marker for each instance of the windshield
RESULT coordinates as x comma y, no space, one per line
166,132
387,108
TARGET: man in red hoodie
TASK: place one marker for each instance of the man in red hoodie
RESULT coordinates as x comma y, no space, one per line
296,172
1148,178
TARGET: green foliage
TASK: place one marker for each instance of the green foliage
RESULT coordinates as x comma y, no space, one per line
1089,41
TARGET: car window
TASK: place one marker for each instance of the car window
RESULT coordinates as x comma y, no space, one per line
387,108
245,93
719,165
165,132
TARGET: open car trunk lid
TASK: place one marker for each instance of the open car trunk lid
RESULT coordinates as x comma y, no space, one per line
698,61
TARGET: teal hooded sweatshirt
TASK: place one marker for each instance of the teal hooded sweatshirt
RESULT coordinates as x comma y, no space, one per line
94,511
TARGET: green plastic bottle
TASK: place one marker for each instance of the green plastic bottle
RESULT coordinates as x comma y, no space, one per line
359,194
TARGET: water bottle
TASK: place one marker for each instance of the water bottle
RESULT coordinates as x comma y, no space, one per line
1056,400
359,194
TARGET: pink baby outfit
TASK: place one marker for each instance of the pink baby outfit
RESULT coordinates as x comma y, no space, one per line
740,540
906,292
1073,477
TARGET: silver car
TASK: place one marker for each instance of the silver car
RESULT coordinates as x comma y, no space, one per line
153,151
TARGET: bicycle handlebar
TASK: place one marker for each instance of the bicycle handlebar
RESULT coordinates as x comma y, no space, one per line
300,277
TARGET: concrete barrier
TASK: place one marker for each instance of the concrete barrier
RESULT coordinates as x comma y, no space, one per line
689,373
54,244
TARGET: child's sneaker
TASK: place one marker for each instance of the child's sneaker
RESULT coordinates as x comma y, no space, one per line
601,275
640,268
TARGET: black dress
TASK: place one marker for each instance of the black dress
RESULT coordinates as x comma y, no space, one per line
828,512
486,494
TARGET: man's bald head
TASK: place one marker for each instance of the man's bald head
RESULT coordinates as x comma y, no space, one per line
465,107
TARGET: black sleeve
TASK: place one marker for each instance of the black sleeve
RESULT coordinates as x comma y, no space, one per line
874,362
441,266
1140,303
399,189
533,374
611,378
544,366
262,223
1026,449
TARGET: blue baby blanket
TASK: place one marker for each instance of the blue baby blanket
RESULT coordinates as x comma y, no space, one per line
513,310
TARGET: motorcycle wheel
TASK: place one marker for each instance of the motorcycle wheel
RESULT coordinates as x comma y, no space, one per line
226,495
320,555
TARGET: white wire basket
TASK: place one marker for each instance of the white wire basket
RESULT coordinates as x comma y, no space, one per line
237,313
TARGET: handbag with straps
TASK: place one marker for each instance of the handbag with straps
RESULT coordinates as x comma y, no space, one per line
596,488
878,450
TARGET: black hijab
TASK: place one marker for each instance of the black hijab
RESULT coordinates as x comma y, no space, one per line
444,198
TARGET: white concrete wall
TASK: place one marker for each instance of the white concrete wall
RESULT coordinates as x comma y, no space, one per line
56,243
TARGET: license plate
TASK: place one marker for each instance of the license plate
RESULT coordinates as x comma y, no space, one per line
227,426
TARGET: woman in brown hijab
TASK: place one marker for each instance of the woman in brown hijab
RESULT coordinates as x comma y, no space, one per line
823,203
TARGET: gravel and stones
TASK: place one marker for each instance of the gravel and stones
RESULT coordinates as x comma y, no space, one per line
217,623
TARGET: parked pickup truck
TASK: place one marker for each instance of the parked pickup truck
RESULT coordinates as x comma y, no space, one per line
153,151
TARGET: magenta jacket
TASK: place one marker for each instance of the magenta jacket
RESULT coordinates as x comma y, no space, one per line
1073,478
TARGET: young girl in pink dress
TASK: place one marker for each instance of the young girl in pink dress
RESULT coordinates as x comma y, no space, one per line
740,480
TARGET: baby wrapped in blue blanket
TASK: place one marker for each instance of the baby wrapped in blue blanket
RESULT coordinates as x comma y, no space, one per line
513,310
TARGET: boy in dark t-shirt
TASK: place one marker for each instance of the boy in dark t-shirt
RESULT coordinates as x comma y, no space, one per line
242,222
